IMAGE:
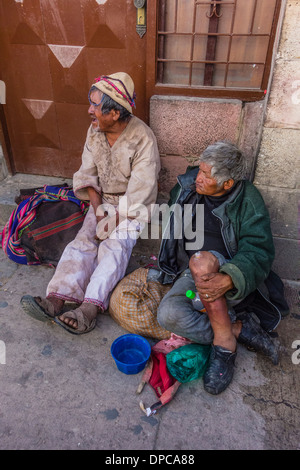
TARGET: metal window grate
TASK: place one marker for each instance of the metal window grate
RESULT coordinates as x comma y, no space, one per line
221,44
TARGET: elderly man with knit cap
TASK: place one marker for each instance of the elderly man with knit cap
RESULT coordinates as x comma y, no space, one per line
118,175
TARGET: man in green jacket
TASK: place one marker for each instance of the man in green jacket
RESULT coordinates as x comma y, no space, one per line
228,263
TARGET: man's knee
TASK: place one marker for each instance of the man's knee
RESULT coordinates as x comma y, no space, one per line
203,262
168,313
177,315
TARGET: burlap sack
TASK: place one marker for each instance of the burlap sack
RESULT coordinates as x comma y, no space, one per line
133,304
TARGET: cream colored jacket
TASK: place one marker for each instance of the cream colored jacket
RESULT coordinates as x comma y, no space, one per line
126,174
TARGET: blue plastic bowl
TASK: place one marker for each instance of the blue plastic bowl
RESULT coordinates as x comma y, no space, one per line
131,353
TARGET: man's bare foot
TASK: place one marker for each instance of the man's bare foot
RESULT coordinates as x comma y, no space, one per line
42,309
237,328
229,341
226,343
80,318
52,305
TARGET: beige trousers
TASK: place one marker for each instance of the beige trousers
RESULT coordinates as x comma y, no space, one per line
89,270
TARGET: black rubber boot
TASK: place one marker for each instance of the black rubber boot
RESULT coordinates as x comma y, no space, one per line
254,337
219,372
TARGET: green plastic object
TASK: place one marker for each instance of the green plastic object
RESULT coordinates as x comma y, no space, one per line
188,362
190,294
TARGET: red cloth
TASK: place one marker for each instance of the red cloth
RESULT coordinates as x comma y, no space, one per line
157,375
160,379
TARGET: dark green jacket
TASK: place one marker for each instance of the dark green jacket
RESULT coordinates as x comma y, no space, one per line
245,228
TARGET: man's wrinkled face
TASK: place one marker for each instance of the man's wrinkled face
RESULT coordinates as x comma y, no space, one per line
206,184
100,121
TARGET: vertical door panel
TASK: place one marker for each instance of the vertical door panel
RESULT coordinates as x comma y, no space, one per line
51,52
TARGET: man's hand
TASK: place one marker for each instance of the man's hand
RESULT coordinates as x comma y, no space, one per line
100,217
106,225
211,286
95,198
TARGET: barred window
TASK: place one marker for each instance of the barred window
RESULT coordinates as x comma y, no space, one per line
224,45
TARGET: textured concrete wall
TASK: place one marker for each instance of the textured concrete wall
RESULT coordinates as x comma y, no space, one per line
278,164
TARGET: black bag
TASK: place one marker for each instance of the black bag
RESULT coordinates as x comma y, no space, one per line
54,227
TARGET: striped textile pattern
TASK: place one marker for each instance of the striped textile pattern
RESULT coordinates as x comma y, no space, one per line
25,214
55,227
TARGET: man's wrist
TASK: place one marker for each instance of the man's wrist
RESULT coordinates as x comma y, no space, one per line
228,281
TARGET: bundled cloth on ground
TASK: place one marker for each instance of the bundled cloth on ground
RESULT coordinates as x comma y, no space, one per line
42,225
172,362
133,304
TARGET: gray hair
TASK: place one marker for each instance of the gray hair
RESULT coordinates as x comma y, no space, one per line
227,161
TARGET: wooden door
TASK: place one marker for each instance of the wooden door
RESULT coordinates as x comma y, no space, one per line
51,51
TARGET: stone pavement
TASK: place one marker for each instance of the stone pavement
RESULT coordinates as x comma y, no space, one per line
60,391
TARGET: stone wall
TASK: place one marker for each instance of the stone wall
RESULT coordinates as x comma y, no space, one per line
278,163
185,126
268,132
